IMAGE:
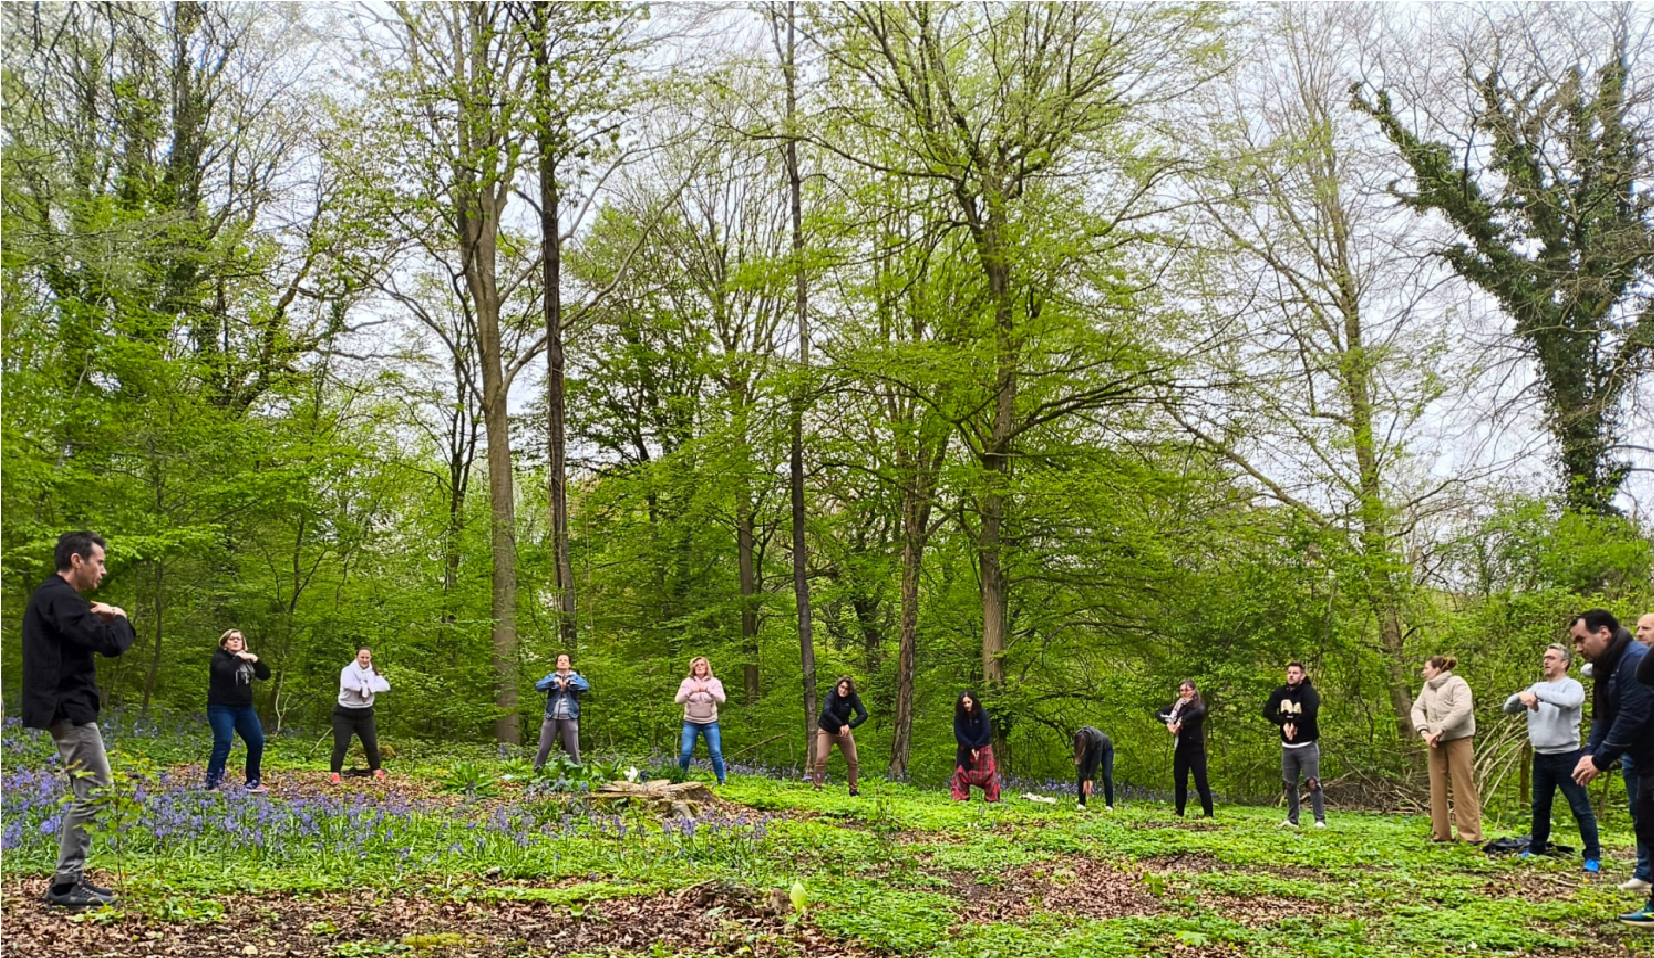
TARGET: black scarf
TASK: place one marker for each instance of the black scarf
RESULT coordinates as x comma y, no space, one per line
1602,673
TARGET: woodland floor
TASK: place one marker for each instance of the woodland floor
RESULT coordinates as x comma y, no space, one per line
778,869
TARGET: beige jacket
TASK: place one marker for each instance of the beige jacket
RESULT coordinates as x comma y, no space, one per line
1444,705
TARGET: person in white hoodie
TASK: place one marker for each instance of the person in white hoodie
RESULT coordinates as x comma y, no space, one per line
359,682
1554,708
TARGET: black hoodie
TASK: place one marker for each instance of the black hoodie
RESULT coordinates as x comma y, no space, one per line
1300,706
230,679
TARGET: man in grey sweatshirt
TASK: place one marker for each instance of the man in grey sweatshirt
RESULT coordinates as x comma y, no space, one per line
1554,708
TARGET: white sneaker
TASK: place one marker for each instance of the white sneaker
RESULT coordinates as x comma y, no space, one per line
1108,808
1635,884
1320,824
1287,823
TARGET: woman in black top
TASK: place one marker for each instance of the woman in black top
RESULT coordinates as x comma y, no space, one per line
973,763
1094,752
1186,720
834,726
230,707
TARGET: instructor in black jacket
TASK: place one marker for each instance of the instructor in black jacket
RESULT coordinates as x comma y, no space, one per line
1296,707
62,632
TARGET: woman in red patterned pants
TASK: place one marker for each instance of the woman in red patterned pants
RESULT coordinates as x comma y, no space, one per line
974,762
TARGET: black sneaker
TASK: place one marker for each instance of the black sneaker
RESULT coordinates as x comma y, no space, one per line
81,895
854,792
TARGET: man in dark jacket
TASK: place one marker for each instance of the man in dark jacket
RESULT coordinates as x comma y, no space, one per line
1622,709
62,633
1644,916
1296,708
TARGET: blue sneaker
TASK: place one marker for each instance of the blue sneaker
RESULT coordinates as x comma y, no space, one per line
1641,918
1527,855
1593,865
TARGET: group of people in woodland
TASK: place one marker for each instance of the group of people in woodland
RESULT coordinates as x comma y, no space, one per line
63,632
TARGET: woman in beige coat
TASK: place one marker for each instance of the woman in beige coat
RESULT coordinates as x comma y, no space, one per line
1445,717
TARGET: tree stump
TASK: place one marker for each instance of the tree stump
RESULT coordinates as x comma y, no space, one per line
682,799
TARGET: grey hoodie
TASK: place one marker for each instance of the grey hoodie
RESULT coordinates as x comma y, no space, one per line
1553,727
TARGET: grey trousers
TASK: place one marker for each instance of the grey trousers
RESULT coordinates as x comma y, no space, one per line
81,747
551,730
1303,763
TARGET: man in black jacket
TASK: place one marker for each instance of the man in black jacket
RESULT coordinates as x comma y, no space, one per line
1295,708
62,632
1622,709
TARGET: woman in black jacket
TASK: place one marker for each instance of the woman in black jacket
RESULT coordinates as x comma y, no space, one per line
834,725
973,763
1186,720
230,707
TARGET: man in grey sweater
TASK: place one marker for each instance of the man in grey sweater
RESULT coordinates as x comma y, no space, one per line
1554,708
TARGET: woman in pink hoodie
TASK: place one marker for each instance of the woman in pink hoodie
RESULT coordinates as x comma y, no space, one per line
700,694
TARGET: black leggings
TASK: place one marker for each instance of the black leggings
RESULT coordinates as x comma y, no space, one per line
1185,761
359,721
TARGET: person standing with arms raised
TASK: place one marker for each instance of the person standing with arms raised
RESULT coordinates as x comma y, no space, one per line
1296,708
700,694
359,682
1553,709
562,688
62,634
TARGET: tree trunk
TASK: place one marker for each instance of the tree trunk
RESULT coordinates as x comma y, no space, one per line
916,503
551,242
801,584
155,660
746,548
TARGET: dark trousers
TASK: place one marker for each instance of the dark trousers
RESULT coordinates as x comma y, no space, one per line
1097,761
1551,772
228,721
1185,761
348,721
1645,810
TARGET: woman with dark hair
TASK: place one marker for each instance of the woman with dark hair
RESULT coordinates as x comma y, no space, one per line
1445,716
359,682
1186,720
834,725
1094,752
973,763
230,708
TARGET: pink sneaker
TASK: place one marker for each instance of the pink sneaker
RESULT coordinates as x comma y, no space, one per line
334,778
379,774
258,787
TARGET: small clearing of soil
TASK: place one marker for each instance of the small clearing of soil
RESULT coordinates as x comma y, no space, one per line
1076,886
714,919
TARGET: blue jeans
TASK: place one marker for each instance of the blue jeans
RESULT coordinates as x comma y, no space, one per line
242,720
1551,772
1630,774
714,745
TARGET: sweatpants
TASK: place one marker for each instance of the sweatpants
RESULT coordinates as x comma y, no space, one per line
348,721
